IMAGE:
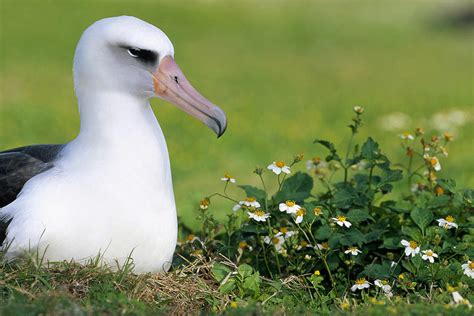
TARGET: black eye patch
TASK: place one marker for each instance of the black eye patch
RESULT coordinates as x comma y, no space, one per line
144,55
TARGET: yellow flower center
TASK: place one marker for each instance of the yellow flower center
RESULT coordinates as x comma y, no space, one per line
275,241
434,161
317,272
242,244
304,243
325,245
250,199
401,276
233,304
353,249
450,219
448,137
190,237
290,203
228,176
406,134
279,164
413,244
439,191
316,160
341,218
284,230
300,212
205,202
429,253
317,211
471,265
259,213
360,281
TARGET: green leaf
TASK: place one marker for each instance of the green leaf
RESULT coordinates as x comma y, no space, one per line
245,270
390,176
344,197
377,271
374,234
251,285
412,232
370,149
228,286
422,218
331,147
391,243
220,271
323,233
251,191
297,187
358,216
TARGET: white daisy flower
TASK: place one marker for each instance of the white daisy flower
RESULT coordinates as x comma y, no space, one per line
299,215
433,161
458,299
276,241
204,204
289,206
278,167
286,233
342,221
447,222
386,288
429,255
228,178
248,202
360,284
393,264
411,247
322,246
407,135
315,162
353,251
191,238
358,109
259,215
469,269
307,257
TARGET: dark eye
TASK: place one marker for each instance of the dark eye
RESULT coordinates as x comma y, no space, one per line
144,55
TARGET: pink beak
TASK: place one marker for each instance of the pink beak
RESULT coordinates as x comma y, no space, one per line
171,85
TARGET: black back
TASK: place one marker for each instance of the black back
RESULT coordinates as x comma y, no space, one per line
20,165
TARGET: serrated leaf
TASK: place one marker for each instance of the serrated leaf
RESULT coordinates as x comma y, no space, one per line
245,270
370,149
251,191
391,243
421,217
297,187
358,215
344,197
377,271
323,233
220,271
412,232
228,286
331,147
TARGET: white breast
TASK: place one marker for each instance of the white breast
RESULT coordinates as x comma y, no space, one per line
112,197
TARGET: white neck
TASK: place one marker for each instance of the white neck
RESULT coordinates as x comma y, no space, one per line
119,131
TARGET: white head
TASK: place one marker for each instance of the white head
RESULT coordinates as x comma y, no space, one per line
127,55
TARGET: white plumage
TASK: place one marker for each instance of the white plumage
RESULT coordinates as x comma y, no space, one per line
110,191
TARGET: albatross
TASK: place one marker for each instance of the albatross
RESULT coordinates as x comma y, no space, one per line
109,191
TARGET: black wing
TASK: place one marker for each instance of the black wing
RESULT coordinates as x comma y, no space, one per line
18,166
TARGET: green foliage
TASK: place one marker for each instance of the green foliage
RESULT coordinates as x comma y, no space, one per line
346,222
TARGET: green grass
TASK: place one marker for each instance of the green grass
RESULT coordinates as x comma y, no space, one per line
285,72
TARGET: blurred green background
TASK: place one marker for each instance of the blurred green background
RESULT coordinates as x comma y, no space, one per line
285,72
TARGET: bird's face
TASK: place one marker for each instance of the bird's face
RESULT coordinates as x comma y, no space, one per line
128,55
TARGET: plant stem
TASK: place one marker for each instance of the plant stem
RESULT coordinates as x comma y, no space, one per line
264,189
